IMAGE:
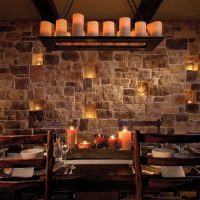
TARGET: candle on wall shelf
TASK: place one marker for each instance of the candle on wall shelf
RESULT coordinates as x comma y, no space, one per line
71,135
140,28
124,137
155,28
93,28
108,28
61,27
84,145
78,24
124,26
46,28
112,142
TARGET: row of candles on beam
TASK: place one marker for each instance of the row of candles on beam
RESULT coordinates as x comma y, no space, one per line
141,29
122,141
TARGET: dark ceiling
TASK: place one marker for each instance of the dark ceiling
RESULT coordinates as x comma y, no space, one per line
103,9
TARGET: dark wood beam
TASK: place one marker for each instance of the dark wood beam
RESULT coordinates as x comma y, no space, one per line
147,9
47,9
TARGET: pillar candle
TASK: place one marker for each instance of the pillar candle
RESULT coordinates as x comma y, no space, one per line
140,28
84,145
61,27
112,142
108,28
125,139
71,137
99,140
77,24
133,33
155,28
124,26
93,28
46,28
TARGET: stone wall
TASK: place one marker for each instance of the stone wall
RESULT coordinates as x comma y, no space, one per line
60,85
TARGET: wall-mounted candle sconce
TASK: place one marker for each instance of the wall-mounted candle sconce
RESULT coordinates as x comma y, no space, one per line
90,111
190,96
37,59
144,88
90,71
36,105
191,63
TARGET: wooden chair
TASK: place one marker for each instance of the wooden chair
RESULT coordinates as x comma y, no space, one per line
13,185
158,183
130,123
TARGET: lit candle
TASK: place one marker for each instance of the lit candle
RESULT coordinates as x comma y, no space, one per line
99,140
84,145
196,67
61,27
124,26
125,139
112,142
140,28
77,24
36,108
93,28
155,28
108,28
189,101
71,137
46,28
189,66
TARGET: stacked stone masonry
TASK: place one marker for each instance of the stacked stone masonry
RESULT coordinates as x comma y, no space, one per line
60,85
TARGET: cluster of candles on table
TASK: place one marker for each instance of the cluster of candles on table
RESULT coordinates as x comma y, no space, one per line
60,28
122,141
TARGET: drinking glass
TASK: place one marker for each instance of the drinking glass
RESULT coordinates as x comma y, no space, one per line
64,149
181,148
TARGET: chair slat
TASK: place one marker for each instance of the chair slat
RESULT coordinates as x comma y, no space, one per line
170,161
9,140
11,163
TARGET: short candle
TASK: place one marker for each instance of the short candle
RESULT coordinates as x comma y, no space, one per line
84,145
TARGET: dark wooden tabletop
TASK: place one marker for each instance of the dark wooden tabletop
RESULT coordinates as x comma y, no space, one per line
96,178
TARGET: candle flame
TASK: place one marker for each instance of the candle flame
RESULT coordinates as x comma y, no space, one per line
84,142
36,108
71,127
112,137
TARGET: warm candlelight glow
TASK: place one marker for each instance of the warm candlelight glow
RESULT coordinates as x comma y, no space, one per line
93,28
61,27
108,28
90,71
37,59
190,96
155,28
46,28
125,139
90,112
140,28
124,26
71,135
112,142
144,88
36,108
77,24
84,145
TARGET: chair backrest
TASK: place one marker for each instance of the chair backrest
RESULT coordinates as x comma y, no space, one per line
130,123
45,162
140,160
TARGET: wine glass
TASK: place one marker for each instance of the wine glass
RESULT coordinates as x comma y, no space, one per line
64,149
181,148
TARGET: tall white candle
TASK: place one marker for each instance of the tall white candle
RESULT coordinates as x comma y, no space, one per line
124,26
155,28
77,24
61,27
108,28
93,28
140,28
46,28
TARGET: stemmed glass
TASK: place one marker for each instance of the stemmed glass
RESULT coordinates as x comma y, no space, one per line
181,148
64,149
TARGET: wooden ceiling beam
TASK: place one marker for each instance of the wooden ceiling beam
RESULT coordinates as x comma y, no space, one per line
47,9
147,9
